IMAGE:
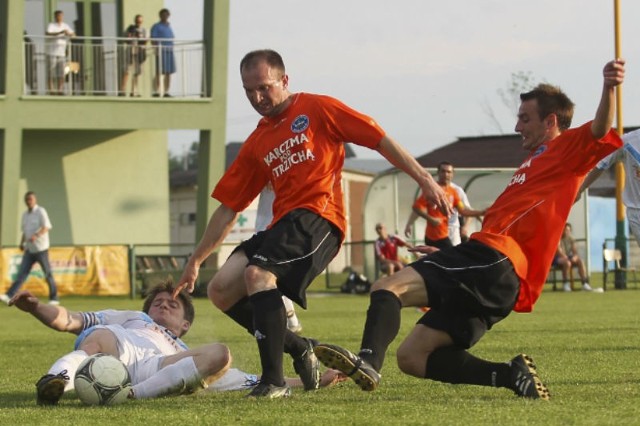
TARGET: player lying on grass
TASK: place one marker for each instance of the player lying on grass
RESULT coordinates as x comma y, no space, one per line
472,286
148,342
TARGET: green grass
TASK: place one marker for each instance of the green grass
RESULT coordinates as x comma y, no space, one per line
587,347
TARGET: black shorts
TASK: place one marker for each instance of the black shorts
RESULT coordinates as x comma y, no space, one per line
296,249
470,287
441,244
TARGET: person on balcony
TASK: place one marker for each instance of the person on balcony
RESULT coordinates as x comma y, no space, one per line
58,32
134,55
162,37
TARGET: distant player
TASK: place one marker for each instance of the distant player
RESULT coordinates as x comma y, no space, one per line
472,286
630,155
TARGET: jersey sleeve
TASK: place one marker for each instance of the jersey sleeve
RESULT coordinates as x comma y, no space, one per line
111,316
420,203
581,138
241,183
350,125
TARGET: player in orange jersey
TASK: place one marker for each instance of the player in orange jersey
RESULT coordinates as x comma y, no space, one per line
472,286
297,147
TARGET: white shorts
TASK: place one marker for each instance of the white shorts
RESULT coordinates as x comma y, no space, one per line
141,360
454,234
633,216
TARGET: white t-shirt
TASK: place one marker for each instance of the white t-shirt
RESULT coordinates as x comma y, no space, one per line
32,221
57,45
630,155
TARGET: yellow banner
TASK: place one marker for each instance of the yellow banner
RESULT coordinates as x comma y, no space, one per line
82,270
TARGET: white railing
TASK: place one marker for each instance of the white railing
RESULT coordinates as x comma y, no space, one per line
109,66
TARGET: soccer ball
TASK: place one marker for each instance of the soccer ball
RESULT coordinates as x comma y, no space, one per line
102,379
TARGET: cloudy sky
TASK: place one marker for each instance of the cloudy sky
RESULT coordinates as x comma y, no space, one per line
427,70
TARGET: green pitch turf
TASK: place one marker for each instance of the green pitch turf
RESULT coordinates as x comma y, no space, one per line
587,347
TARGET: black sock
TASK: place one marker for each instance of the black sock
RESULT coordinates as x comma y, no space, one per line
382,326
242,313
453,365
270,323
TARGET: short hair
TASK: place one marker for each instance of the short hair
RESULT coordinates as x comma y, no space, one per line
57,12
551,100
271,57
28,194
444,163
135,18
163,11
379,225
169,287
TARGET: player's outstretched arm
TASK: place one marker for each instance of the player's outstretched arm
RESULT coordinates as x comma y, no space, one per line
613,75
400,158
55,317
218,228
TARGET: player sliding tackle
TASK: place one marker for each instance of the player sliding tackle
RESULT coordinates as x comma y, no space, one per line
148,343
502,268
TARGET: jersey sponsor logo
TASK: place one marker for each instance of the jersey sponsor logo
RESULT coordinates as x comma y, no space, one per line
288,154
540,150
300,124
518,178
284,149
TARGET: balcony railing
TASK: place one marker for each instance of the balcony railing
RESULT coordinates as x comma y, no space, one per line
110,66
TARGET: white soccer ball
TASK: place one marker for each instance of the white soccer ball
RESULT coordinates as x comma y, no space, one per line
102,379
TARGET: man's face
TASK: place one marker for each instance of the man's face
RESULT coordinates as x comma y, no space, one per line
445,174
30,201
164,16
139,21
169,312
59,17
266,88
534,131
381,230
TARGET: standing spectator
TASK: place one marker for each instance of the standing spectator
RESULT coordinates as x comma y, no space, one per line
134,56
387,250
438,224
162,37
35,243
570,250
58,33
298,146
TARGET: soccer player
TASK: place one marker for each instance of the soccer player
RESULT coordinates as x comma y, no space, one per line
472,286
438,231
298,147
630,154
147,342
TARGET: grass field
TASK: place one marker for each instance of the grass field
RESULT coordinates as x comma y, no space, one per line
587,347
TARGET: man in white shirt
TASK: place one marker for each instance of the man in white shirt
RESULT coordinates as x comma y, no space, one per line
57,33
629,154
35,243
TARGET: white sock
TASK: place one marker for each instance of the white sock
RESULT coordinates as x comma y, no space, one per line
292,318
232,380
174,379
69,362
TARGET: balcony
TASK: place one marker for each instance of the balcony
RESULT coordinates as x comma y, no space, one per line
112,66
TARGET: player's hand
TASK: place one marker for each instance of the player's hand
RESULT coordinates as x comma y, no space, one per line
424,249
613,72
407,231
187,280
25,301
436,195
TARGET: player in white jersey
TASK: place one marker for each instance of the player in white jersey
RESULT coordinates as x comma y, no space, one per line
630,155
147,342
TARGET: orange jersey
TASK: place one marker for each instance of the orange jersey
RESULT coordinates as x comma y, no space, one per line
441,231
301,152
526,221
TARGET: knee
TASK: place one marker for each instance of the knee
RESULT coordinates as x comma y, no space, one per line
409,362
218,359
220,298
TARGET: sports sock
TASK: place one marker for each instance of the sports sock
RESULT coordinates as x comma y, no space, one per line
234,379
454,365
292,318
69,362
381,327
270,323
242,313
174,379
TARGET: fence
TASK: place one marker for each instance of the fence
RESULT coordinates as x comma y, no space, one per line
113,66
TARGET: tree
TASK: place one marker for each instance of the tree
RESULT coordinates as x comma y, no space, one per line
521,81
186,161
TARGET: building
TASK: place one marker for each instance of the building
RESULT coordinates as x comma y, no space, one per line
99,161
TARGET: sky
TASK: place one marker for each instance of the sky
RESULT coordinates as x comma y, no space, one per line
426,70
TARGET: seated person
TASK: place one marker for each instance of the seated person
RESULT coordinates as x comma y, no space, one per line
148,342
386,247
562,262
569,248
